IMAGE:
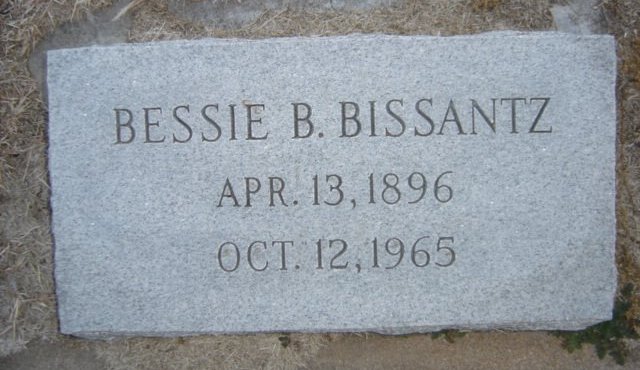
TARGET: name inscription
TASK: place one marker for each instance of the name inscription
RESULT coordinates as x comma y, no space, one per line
424,117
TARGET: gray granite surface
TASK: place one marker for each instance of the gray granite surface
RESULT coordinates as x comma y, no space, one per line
483,197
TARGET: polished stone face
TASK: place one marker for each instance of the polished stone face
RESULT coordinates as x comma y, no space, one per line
358,183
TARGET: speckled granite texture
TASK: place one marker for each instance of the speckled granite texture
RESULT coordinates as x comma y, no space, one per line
357,183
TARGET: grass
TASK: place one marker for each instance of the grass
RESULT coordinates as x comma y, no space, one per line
623,19
448,335
486,5
27,301
607,337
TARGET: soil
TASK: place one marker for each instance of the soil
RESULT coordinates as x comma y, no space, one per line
494,350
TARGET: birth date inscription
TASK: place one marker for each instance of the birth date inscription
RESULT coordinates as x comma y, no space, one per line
329,190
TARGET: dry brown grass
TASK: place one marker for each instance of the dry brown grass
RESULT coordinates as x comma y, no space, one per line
623,18
220,352
630,68
436,17
485,5
27,304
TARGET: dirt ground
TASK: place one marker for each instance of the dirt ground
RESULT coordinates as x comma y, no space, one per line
28,326
473,351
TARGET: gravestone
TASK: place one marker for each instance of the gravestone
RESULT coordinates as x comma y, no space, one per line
358,183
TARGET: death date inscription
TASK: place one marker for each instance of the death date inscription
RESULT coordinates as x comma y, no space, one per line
426,251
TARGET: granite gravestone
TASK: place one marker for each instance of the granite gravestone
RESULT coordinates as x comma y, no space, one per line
358,183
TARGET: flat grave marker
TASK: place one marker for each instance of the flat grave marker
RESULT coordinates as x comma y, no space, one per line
357,183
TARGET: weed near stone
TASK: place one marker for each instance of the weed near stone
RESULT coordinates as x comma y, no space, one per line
607,337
